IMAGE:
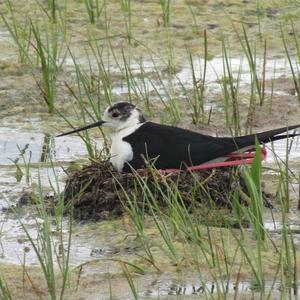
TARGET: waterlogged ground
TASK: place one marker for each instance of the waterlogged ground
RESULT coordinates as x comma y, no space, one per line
29,151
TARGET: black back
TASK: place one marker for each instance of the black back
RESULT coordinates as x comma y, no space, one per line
173,147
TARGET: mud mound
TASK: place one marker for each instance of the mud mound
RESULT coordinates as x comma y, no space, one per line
99,192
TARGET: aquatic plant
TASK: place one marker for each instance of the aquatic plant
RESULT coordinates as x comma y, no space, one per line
166,11
196,27
257,85
230,88
47,55
19,31
4,290
26,163
197,101
220,246
252,177
294,69
94,9
126,9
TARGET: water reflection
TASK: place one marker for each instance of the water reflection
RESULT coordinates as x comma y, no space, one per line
48,148
165,288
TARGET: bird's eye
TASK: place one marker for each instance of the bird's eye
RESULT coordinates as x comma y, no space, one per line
115,115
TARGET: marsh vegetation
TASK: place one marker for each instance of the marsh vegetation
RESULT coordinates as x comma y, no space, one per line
219,67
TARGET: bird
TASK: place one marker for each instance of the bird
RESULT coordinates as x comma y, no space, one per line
136,141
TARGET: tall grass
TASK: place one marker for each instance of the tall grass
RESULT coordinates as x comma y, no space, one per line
126,9
90,100
197,101
294,69
20,32
37,46
94,9
257,80
52,7
198,238
166,11
4,290
47,55
196,27
252,177
185,237
54,264
230,88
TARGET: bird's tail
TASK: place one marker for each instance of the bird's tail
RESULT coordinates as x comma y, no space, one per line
266,136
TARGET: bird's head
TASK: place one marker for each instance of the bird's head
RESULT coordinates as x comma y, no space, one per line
122,115
118,116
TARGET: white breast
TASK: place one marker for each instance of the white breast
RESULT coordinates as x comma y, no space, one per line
121,151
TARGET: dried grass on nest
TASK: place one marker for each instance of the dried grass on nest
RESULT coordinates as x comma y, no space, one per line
97,191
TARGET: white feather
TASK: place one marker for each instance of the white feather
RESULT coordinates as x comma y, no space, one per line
121,151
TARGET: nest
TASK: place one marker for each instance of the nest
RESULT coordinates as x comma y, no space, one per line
98,192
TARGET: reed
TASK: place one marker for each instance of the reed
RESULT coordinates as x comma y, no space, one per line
4,290
126,9
197,101
196,26
257,86
94,9
252,177
166,11
20,32
49,70
294,70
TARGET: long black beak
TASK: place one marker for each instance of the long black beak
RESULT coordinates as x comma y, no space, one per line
99,123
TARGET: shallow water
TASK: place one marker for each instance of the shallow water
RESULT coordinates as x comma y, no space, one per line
161,288
41,147
44,148
275,68
106,239
102,240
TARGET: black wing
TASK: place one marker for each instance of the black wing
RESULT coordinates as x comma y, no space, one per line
173,147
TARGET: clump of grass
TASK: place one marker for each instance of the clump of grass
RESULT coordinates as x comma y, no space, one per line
4,290
196,27
44,246
230,88
257,85
166,11
20,32
52,6
160,221
288,254
45,44
94,9
126,9
285,176
47,56
83,95
252,176
197,101
295,71
26,164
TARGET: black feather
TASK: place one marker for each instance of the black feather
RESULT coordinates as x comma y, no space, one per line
173,147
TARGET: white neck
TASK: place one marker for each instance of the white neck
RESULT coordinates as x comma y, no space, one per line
121,151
